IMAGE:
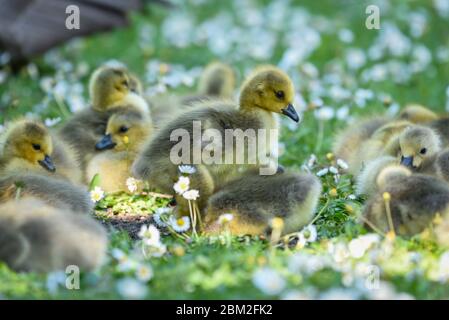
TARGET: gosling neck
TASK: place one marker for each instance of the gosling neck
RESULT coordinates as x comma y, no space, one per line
251,107
101,102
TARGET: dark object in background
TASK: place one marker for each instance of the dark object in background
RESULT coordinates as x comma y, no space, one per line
31,27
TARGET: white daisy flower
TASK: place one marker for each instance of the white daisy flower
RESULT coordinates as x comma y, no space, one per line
50,122
150,235
333,170
310,233
132,184
322,172
338,93
225,218
158,251
345,35
312,160
370,239
157,216
342,164
355,58
114,63
180,224
442,7
317,102
144,273
339,252
324,113
96,194
187,169
118,254
191,194
302,262
417,24
182,185
343,113
357,248
132,289
268,281
127,265
76,103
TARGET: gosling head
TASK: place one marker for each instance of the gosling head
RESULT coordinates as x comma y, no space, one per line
126,130
29,141
391,173
418,143
109,85
417,114
270,89
217,79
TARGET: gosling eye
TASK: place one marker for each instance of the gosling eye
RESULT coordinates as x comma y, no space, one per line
123,129
423,151
125,83
279,94
36,146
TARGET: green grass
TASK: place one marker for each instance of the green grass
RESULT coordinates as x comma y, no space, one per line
220,268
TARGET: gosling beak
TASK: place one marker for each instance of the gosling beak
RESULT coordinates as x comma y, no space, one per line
105,143
47,164
290,112
407,161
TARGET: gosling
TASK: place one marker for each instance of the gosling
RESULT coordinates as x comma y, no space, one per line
109,87
268,91
417,114
55,192
255,200
217,81
28,146
126,131
349,141
362,142
416,147
413,201
35,237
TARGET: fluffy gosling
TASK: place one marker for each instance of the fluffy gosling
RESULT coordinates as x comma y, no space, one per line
28,146
127,129
266,92
417,114
217,81
55,192
110,87
255,200
349,141
39,238
412,201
